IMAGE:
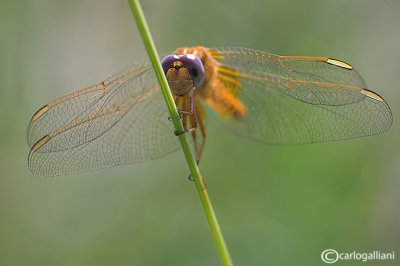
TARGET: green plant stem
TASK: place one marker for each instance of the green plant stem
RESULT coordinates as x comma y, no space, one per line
194,170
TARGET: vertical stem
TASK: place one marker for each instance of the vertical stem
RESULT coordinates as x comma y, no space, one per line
201,189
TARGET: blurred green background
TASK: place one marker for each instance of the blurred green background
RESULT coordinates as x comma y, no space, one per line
276,205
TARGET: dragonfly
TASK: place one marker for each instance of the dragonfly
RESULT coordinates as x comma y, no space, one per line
266,97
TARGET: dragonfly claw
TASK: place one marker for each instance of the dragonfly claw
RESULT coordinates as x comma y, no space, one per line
180,116
180,133
190,178
179,112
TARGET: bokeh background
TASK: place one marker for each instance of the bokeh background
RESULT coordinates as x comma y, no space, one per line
276,205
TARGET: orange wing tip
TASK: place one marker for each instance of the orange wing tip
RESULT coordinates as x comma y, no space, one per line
371,95
339,63
40,143
40,112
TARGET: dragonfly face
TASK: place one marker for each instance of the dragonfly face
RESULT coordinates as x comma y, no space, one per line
262,96
183,73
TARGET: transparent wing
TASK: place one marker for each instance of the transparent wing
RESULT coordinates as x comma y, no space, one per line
119,121
296,100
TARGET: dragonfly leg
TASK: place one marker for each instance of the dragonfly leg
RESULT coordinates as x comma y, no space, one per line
197,120
193,120
191,110
203,134
176,103
184,114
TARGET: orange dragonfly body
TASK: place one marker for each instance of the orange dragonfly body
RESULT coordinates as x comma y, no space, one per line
266,97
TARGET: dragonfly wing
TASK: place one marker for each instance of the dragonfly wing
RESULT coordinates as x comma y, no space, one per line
119,121
296,100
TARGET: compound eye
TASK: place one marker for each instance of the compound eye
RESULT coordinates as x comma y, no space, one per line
168,62
195,67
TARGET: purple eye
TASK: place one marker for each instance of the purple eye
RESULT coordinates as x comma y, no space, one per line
195,67
191,62
168,62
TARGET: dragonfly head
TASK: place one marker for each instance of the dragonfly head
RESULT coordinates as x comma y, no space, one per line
184,73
